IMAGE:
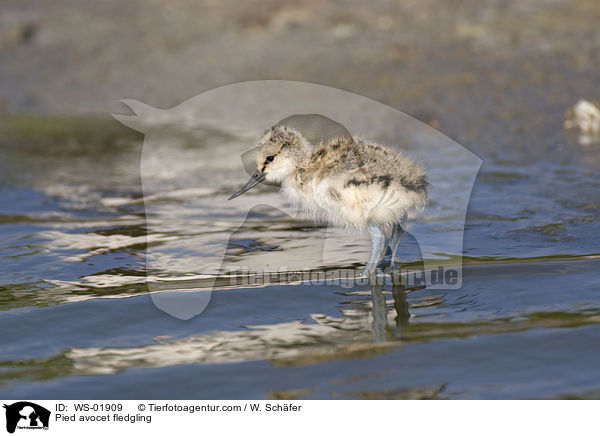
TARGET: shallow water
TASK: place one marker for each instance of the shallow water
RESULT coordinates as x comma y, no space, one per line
77,320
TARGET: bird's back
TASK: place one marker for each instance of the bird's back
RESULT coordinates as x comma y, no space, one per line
353,181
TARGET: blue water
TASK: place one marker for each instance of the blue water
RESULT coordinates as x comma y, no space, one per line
77,320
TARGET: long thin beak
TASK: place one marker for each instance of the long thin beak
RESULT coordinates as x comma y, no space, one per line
256,178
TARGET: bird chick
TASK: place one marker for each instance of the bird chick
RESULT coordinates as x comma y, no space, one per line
346,181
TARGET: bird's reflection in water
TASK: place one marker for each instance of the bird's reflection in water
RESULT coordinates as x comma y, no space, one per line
299,341
381,331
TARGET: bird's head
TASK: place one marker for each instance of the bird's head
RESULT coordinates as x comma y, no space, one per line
280,151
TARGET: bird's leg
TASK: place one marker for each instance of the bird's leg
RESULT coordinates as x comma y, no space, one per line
378,245
391,247
395,241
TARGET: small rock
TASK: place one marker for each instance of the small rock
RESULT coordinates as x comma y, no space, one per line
585,117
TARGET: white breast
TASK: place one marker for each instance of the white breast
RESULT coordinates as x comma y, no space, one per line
351,206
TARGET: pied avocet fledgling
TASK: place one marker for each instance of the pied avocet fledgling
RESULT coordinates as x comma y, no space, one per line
346,181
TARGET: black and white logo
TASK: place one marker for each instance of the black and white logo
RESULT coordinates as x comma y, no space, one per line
26,415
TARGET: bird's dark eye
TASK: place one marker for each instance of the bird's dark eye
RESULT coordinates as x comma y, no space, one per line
270,158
